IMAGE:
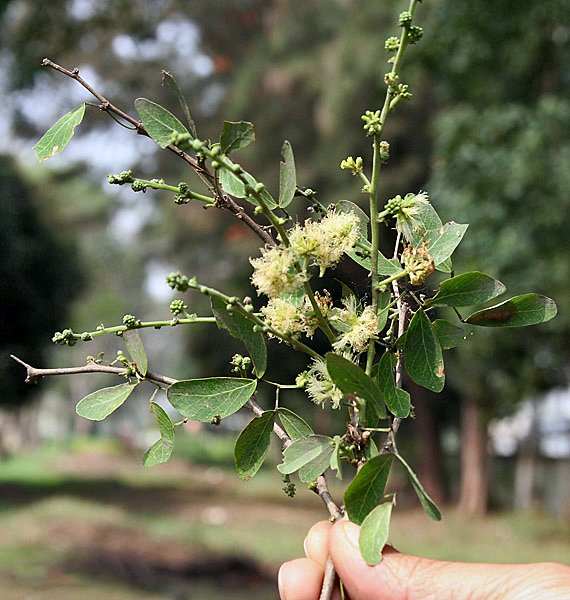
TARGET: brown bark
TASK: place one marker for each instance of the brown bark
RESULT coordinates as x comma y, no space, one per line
473,493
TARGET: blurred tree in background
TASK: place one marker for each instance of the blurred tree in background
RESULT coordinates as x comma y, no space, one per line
487,137
39,275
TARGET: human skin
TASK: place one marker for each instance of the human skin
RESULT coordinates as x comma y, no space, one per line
406,577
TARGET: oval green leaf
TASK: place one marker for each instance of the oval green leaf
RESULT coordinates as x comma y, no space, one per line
136,350
467,289
204,399
241,328
374,533
159,123
308,453
295,426
423,357
448,334
236,135
56,138
396,399
100,404
351,379
161,450
442,242
520,311
427,503
366,490
287,175
252,445
170,81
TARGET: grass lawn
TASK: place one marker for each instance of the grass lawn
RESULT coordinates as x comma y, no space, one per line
87,521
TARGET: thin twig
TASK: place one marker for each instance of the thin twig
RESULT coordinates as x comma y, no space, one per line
33,374
225,201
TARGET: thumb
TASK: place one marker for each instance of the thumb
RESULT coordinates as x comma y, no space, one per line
405,577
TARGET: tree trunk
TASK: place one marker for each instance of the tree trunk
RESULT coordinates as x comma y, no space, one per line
429,460
525,468
474,485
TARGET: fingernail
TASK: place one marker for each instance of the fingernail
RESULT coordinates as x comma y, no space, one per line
352,533
280,581
305,547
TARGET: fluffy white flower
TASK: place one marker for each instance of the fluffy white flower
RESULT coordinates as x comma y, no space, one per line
357,327
274,272
320,387
327,240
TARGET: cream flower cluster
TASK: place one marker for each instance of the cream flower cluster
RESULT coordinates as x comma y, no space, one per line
274,272
357,326
325,241
320,387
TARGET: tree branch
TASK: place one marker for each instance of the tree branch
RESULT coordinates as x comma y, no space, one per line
224,201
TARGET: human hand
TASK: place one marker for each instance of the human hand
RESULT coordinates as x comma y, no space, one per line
405,577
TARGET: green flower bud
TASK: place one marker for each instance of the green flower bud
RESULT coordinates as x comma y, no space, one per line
405,19
130,321
177,307
392,44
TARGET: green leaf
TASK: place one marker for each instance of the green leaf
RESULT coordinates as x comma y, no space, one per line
387,267
351,379
307,455
427,503
422,354
252,445
374,533
426,220
233,185
241,328
136,350
236,135
56,138
467,289
204,399
100,404
397,400
168,79
295,426
367,488
161,450
159,123
287,175
448,334
335,457
520,311
443,241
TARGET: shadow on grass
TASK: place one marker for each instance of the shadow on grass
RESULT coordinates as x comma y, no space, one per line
105,490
